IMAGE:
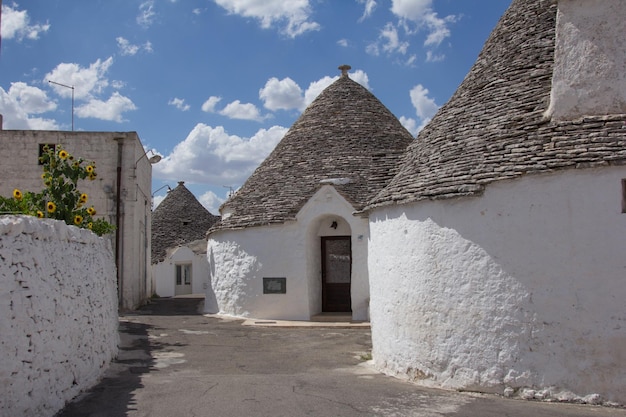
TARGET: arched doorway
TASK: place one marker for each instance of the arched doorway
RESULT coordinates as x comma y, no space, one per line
336,273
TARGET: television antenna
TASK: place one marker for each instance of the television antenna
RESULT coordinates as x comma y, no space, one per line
67,86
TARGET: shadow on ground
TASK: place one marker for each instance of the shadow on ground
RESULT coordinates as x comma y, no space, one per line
115,394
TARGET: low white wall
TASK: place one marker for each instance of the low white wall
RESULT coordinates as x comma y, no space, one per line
58,303
520,288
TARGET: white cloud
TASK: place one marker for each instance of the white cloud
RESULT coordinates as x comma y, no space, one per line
282,94
126,48
209,105
146,15
87,82
179,103
391,40
372,49
295,13
118,84
16,117
112,109
410,125
425,107
411,9
31,99
370,5
438,28
211,202
432,57
156,200
209,155
343,42
241,111
421,13
16,24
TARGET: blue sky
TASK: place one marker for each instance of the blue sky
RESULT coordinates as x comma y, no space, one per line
213,85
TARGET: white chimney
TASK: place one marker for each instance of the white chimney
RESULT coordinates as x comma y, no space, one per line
589,76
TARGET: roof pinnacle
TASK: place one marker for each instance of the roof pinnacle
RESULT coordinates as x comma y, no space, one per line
344,70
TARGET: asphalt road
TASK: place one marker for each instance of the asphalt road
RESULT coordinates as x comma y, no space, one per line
176,362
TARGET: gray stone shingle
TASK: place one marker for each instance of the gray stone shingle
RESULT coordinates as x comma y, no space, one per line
179,220
493,128
345,132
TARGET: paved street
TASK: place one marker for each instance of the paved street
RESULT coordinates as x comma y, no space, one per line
177,362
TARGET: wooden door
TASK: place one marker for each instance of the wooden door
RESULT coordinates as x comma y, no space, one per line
336,272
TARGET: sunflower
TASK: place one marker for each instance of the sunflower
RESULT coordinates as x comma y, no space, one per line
89,225
89,169
83,198
17,194
40,214
78,219
92,176
91,211
63,154
51,207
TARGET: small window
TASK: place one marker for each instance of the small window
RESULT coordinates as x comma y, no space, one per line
274,285
624,195
183,274
42,147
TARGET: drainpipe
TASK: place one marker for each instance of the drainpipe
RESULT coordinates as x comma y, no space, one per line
118,220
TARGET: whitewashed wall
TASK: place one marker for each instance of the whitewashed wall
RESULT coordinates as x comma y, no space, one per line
239,259
164,272
522,287
590,59
58,303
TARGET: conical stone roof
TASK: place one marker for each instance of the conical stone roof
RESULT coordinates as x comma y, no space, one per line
493,128
178,220
345,134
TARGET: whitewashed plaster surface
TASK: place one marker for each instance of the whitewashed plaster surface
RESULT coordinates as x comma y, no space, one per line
164,273
58,303
590,59
239,259
522,287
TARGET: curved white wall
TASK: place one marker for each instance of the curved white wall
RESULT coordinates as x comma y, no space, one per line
58,303
522,287
239,259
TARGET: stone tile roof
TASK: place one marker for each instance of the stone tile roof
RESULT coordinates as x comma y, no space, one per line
493,128
179,219
345,133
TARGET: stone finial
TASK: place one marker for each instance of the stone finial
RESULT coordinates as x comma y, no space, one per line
344,70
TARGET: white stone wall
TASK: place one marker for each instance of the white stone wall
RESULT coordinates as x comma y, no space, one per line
590,59
58,303
520,288
239,259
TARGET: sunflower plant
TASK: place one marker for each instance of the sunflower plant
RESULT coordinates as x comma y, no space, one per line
60,198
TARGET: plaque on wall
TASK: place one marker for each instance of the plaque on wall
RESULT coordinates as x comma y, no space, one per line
274,285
